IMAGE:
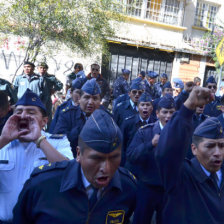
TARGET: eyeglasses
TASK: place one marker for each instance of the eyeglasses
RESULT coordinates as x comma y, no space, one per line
212,87
134,92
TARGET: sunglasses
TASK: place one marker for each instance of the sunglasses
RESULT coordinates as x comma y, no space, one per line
134,92
212,87
95,69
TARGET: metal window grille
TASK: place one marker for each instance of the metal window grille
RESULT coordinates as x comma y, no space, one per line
166,11
205,15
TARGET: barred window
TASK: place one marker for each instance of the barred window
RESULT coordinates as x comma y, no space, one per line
205,15
166,11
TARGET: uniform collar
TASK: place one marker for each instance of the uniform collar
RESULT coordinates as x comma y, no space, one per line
72,178
200,173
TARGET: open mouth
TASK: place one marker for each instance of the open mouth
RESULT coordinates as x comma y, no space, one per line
145,112
102,181
23,124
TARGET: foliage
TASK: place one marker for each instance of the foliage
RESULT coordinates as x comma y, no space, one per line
79,25
211,40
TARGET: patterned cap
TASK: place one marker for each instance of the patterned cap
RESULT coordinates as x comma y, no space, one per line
125,71
43,64
91,87
152,74
101,133
167,102
210,128
30,98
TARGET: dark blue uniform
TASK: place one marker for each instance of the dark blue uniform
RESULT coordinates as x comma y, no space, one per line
120,87
122,111
212,109
193,197
181,98
7,87
152,90
65,105
221,119
141,162
71,122
128,128
4,119
56,194
120,99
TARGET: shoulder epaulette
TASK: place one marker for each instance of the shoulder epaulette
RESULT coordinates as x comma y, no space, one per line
69,108
127,173
127,118
147,125
49,167
57,136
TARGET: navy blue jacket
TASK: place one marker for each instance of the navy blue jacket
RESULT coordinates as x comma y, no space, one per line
122,111
212,109
193,198
140,155
128,128
152,90
180,99
120,87
71,122
55,194
65,105
221,119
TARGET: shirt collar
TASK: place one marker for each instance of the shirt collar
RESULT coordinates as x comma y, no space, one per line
86,183
218,173
147,120
161,126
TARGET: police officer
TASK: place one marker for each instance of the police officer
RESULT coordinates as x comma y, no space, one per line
183,95
159,85
28,80
129,107
150,87
141,161
120,85
178,86
91,189
72,120
71,102
23,146
104,86
5,109
8,88
212,109
131,124
50,86
195,183
166,89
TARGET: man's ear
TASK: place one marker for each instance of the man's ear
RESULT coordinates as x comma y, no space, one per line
78,152
194,149
44,121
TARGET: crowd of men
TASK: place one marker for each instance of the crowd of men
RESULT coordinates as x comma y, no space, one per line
141,151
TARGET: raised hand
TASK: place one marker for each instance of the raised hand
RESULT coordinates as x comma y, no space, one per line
34,130
198,97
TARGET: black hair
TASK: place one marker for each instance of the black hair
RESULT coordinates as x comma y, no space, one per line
43,112
196,140
4,102
79,66
82,145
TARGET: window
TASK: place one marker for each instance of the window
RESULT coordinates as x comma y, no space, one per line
205,15
166,11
